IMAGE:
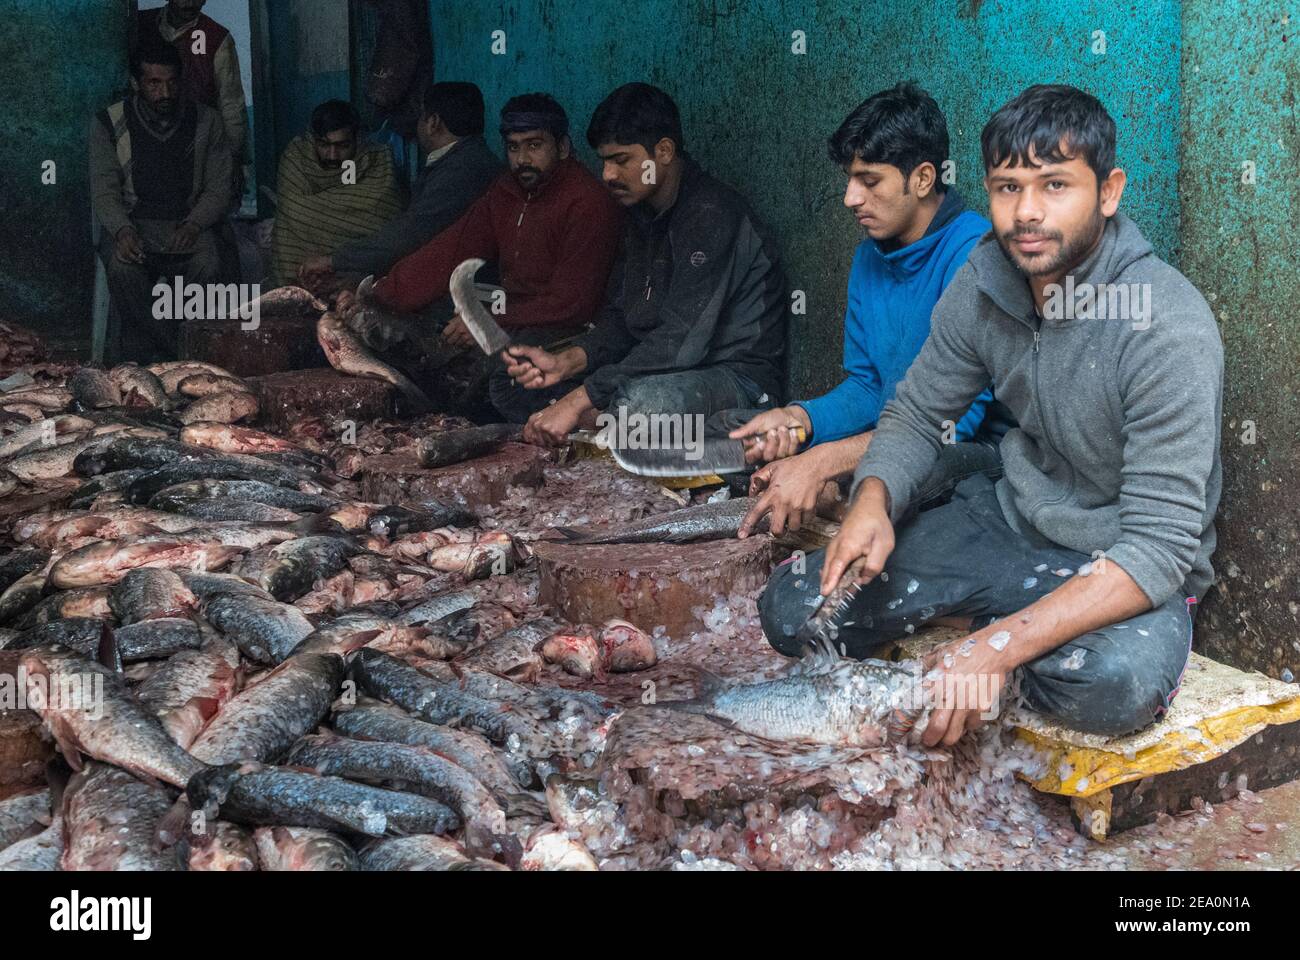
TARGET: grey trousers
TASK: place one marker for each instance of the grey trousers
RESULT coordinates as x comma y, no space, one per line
141,336
962,559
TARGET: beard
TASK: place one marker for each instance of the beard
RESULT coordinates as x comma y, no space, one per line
1071,251
524,174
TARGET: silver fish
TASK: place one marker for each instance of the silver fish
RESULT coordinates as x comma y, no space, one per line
708,521
138,386
94,388
347,354
825,699
191,688
303,849
96,715
110,821
422,852
265,719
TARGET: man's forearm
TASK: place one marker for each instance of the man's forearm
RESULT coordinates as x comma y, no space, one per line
573,362
872,489
841,457
579,400
1105,596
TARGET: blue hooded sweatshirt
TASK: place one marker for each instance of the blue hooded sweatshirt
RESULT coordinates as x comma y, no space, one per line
891,296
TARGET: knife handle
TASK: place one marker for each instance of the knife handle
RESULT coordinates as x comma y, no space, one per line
800,435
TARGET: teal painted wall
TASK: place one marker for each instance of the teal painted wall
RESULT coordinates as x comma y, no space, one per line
309,61
60,60
1241,84
758,115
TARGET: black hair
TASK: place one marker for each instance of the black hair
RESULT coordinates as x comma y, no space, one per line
540,111
636,113
158,53
1044,117
335,115
458,105
902,126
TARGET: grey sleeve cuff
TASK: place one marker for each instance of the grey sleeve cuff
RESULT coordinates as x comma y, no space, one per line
895,480
1156,573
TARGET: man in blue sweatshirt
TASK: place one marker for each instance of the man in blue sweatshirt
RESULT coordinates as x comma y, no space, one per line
892,147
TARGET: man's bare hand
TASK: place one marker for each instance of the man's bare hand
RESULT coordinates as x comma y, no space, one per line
128,247
533,367
866,532
314,270
456,334
552,426
776,430
788,490
964,681
183,238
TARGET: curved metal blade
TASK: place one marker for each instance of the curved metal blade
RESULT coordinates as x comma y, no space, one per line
487,333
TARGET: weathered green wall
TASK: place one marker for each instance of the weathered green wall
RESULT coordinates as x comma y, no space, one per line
757,114
60,60
310,62
1241,81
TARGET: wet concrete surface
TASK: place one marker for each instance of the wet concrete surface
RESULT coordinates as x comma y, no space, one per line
1255,831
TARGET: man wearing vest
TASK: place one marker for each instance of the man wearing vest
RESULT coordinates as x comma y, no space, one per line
211,65
160,182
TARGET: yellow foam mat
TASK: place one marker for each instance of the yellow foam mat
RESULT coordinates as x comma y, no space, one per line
1217,708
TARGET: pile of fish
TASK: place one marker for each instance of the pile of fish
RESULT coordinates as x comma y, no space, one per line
278,675
19,347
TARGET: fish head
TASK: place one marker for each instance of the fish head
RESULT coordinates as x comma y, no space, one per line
225,848
325,854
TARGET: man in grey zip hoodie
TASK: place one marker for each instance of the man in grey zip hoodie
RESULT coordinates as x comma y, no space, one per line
1079,569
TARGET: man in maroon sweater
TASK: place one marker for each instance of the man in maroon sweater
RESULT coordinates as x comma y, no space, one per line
549,226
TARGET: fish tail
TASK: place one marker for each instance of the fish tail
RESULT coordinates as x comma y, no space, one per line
573,534
315,523
416,398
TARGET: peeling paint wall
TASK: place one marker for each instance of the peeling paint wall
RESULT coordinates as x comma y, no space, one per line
60,60
1240,85
757,115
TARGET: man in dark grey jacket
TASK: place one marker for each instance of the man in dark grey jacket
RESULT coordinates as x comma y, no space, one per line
1081,568
695,311
458,168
